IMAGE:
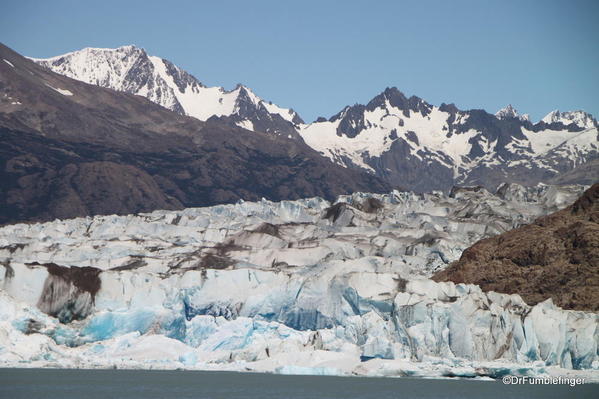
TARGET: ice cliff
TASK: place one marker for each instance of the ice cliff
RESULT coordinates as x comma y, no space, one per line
291,287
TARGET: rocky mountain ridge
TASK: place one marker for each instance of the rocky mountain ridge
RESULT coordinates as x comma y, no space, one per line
405,141
73,149
428,147
132,70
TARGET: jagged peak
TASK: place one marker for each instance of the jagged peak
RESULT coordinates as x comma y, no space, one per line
393,91
130,68
451,108
348,109
391,94
550,115
580,118
244,89
510,112
245,93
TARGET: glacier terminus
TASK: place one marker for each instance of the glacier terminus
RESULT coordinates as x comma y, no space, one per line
291,287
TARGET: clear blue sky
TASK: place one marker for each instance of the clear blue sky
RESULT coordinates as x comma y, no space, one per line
318,56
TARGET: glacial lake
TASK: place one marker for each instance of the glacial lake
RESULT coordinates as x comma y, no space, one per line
141,384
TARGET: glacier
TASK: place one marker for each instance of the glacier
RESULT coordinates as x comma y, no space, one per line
291,287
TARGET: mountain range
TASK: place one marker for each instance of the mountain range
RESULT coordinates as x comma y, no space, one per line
73,149
404,140
460,281
102,131
132,70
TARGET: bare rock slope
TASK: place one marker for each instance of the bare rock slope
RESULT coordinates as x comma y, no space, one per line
555,257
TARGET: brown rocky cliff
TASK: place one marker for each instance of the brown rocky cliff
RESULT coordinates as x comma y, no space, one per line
555,257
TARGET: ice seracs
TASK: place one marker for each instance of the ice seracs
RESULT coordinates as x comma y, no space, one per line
301,286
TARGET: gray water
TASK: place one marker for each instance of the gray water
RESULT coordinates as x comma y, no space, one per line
130,384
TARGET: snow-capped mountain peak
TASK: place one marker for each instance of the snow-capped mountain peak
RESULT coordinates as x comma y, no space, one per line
405,140
132,70
581,119
100,66
511,112
394,136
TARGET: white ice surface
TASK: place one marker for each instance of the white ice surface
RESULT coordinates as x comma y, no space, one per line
300,295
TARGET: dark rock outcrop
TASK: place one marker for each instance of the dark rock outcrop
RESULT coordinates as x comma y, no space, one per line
555,257
69,292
